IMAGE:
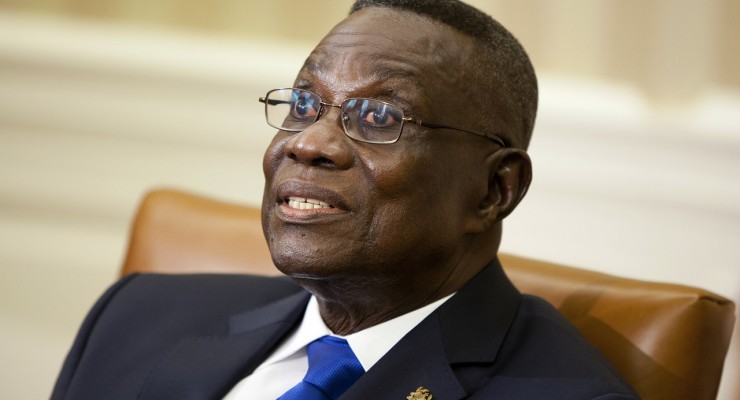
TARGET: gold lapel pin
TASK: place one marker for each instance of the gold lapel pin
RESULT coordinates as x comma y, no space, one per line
420,394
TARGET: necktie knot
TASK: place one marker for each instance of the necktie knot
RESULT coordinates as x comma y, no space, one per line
332,369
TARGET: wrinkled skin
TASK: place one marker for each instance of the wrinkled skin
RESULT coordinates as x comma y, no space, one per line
410,222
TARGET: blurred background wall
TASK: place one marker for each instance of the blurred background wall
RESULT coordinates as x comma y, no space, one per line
636,151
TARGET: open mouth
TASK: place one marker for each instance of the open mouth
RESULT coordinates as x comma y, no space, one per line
303,203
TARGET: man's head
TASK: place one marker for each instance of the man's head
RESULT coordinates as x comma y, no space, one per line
415,219
499,72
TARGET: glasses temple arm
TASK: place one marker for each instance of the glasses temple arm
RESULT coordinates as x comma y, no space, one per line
272,102
491,136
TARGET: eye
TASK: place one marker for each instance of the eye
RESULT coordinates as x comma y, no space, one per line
380,115
304,106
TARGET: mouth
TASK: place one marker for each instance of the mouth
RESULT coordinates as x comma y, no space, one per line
304,203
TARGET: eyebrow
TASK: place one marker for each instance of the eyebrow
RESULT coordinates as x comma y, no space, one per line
385,73
380,72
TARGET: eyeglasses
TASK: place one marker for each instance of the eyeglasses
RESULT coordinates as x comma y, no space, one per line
365,120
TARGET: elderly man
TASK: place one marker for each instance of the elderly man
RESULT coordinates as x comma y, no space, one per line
400,148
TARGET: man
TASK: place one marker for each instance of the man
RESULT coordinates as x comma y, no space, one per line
401,147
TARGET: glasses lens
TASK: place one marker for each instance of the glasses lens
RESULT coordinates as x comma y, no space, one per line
291,109
372,121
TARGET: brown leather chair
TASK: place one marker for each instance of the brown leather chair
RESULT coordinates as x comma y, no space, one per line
668,341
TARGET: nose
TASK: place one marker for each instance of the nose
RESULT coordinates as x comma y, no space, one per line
322,144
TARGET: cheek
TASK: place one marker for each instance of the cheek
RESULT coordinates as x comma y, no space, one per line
392,179
270,163
410,201
413,177
426,194
273,155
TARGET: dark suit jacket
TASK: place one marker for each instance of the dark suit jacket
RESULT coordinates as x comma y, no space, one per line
195,336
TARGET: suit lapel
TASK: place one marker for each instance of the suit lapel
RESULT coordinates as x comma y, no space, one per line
469,328
417,360
476,320
208,367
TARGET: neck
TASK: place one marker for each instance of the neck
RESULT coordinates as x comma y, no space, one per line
348,306
351,304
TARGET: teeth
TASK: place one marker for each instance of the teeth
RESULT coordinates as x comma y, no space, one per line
302,203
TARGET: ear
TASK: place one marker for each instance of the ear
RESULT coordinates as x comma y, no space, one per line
509,176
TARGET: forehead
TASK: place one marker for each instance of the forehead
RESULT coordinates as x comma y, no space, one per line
379,51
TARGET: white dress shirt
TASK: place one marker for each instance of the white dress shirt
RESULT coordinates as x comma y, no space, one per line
288,364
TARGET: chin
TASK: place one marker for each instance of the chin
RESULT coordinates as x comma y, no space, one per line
305,268
299,264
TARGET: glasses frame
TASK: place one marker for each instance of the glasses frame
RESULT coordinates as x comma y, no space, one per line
404,119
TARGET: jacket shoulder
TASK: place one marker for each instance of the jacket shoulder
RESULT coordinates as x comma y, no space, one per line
141,315
545,357
227,292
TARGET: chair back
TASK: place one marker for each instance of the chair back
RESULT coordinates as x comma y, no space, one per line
668,341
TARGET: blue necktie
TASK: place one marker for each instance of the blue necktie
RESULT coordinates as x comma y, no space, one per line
332,369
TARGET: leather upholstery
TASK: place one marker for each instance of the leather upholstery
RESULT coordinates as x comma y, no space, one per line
668,341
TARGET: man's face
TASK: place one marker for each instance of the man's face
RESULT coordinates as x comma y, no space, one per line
399,212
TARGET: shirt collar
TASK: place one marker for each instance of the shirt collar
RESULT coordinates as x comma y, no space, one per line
369,345
311,328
